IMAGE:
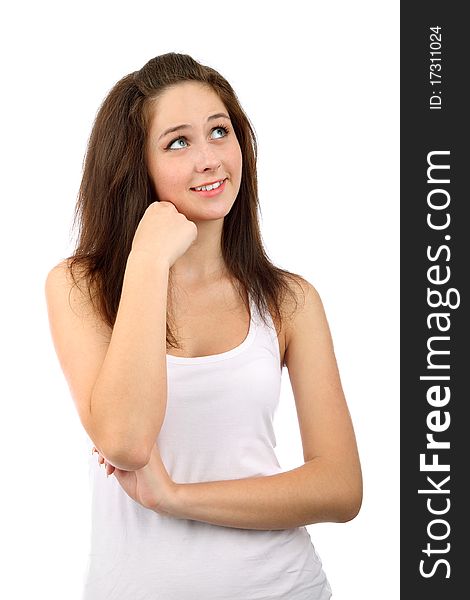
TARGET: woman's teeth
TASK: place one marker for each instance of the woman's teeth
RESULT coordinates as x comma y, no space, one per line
209,187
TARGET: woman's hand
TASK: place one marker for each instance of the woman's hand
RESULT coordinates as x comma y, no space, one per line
150,486
164,232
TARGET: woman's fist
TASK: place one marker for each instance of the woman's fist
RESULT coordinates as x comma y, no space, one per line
164,233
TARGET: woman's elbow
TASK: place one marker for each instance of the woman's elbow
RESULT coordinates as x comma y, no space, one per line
351,511
351,504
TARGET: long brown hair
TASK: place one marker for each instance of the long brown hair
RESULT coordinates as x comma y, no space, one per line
116,190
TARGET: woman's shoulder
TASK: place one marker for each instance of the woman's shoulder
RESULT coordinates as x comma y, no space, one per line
65,276
59,279
301,292
302,300
66,270
67,285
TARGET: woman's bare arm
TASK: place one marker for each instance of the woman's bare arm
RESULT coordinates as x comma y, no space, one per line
118,381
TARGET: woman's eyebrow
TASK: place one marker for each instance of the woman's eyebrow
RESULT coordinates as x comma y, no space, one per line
186,125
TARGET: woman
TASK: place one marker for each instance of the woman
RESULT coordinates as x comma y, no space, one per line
172,327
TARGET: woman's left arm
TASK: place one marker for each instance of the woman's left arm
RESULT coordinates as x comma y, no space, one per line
328,487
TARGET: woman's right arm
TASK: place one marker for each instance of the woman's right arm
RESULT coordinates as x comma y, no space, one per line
117,377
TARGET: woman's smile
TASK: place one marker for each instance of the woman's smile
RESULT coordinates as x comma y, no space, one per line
209,190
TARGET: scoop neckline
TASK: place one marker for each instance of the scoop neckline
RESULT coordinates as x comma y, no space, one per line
197,360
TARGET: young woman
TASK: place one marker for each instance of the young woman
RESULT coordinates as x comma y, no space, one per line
172,328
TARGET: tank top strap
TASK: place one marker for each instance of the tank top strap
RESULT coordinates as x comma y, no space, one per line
266,335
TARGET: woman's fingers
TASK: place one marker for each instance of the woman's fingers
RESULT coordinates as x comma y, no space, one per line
107,467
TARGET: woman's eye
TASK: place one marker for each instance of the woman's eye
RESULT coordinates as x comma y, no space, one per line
181,139
223,130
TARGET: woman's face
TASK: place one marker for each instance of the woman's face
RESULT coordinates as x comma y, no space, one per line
201,149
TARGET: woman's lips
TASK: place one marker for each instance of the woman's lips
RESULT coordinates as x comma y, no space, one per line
210,193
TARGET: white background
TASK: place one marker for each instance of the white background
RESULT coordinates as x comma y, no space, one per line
319,81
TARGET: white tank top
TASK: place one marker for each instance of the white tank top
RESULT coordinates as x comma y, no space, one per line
218,425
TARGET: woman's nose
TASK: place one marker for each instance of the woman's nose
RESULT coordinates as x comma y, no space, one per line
207,159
